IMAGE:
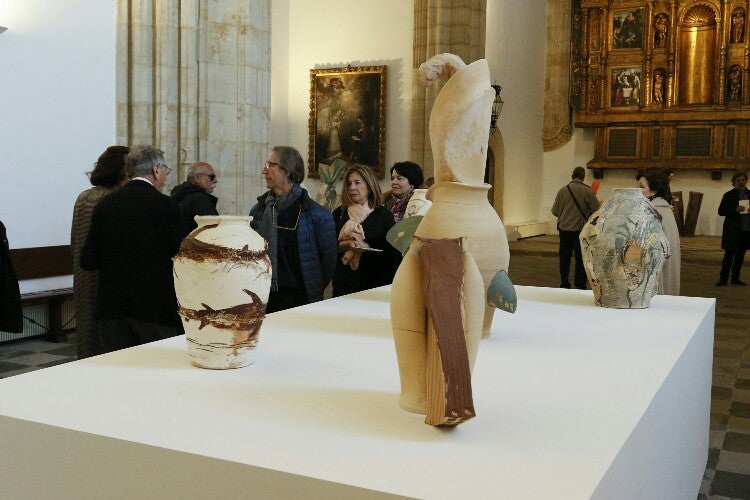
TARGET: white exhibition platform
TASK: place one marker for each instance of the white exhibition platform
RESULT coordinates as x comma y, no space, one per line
573,401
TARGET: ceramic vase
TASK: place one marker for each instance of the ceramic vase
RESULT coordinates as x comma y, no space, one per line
624,248
418,204
222,277
463,210
412,329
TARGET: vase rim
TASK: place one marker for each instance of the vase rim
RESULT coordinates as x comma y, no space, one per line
224,217
440,184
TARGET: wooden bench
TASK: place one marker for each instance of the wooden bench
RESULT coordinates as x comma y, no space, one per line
45,262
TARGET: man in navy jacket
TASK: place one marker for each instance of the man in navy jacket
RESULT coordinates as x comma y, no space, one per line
301,235
135,231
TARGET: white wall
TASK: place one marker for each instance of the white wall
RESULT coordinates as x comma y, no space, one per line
58,112
337,33
516,54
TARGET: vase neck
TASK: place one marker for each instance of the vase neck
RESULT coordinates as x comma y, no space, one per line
457,192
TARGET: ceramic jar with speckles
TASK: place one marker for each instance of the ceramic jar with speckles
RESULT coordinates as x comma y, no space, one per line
624,248
222,277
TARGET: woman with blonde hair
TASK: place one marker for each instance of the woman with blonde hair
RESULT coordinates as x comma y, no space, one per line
366,259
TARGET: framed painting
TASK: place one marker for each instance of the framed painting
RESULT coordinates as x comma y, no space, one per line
347,117
627,29
625,87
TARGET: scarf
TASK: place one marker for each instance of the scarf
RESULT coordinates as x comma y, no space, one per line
398,205
267,229
357,214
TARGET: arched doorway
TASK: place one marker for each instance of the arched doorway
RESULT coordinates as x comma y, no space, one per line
494,170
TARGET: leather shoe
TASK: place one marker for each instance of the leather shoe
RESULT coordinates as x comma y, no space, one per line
739,282
721,283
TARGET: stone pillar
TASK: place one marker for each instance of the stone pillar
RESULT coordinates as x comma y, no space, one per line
194,80
454,26
557,128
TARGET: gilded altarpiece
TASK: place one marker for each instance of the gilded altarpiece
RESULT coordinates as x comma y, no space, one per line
664,83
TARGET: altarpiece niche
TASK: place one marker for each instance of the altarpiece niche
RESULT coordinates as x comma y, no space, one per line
664,83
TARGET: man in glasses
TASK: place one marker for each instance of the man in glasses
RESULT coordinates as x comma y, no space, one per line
135,231
194,195
301,235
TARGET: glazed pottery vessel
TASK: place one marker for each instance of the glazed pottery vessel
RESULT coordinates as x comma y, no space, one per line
418,204
463,210
413,332
624,248
222,277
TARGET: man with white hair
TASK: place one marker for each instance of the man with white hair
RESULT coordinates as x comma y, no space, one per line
194,195
135,231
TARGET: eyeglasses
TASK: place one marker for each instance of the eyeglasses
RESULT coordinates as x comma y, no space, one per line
210,176
270,164
165,166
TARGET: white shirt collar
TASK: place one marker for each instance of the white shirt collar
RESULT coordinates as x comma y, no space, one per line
142,179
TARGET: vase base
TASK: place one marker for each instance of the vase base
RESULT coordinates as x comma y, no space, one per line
223,361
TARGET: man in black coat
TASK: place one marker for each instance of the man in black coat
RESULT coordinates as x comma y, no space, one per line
135,231
194,195
735,236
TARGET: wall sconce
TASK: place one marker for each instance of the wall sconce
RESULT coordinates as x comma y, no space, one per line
2,29
497,107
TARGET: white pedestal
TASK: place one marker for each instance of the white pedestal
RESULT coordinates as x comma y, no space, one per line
573,401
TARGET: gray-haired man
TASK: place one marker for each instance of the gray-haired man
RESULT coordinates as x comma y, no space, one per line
135,231
194,195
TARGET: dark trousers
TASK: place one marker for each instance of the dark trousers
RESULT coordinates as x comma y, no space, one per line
734,258
286,298
122,333
569,245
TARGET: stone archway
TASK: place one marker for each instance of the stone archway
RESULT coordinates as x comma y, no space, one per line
495,169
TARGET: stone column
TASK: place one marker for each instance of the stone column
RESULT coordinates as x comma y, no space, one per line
557,128
194,80
454,26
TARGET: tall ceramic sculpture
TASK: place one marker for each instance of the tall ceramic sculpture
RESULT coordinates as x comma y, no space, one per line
459,133
222,277
417,306
624,248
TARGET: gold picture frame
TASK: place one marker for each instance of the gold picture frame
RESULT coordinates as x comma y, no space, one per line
347,117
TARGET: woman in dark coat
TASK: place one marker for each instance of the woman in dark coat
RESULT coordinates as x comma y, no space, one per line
366,259
108,174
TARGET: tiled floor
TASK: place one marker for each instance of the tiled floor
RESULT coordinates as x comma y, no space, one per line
21,356
534,262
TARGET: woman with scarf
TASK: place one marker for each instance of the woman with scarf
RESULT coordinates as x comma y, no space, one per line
366,259
406,176
300,233
655,187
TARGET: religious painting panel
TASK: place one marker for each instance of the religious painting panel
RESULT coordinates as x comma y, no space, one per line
625,87
627,29
347,117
